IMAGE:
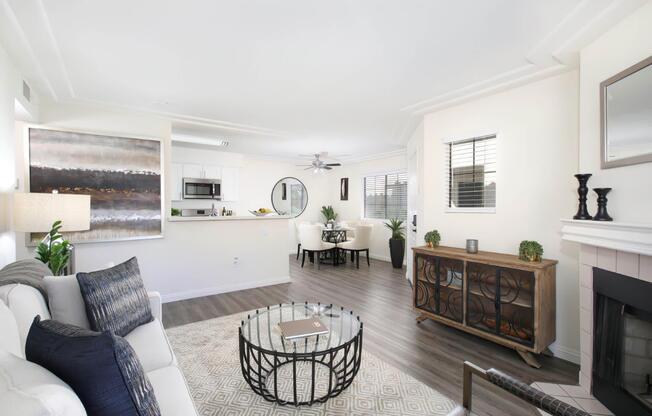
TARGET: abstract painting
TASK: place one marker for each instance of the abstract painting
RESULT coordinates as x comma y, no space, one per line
122,176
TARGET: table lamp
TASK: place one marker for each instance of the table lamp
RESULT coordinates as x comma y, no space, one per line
36,212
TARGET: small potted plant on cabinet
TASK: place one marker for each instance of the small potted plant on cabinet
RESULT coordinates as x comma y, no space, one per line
396,242
432,238
530,251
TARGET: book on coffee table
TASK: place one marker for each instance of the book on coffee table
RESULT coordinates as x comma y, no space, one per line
302,328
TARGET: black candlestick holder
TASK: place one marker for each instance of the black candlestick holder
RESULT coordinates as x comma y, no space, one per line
602,214
583,190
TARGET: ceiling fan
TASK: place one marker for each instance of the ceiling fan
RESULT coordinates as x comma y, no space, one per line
317,164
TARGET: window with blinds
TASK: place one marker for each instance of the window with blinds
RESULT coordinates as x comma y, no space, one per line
385,196
471,175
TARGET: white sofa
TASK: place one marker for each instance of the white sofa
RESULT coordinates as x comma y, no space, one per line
27,389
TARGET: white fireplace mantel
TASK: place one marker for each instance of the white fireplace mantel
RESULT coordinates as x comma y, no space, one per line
627,237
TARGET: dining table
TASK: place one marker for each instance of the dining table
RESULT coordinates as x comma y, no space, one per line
336,234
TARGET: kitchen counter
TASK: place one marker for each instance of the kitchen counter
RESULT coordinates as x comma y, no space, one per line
228,218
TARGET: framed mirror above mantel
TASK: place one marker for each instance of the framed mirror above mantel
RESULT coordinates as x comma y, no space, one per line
626,116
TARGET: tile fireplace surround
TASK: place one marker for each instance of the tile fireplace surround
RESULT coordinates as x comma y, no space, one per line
617,247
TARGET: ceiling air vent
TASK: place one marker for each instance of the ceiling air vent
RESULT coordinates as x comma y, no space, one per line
27,92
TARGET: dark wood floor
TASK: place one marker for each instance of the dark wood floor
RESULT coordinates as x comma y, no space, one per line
430,352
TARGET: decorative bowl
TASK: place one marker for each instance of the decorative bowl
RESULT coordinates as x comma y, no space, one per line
259,214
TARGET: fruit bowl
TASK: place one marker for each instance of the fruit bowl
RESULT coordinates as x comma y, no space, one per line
260,213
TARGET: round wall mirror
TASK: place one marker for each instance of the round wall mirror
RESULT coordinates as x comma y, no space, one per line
289,197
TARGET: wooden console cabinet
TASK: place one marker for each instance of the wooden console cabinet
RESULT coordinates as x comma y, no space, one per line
495,296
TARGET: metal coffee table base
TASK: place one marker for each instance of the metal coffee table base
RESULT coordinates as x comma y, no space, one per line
259,364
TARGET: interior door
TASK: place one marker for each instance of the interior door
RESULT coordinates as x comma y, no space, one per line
411,226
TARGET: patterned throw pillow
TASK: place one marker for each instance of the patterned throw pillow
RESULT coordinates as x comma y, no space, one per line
115,298
101,368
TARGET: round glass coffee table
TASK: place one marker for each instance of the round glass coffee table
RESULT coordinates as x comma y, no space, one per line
301,371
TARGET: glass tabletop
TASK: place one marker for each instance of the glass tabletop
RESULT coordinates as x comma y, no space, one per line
261,327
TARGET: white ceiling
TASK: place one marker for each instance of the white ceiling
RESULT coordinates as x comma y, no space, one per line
294,76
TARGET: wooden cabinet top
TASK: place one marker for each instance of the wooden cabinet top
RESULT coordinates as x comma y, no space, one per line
487,257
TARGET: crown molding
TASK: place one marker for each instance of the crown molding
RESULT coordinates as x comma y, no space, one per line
556,53
21,50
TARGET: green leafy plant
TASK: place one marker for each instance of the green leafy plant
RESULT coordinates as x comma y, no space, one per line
175,212
329,213
530,251
54,251
432,238
398,230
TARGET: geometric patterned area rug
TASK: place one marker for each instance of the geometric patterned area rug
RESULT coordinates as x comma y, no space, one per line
207,352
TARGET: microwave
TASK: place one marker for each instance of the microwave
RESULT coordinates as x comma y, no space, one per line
197,188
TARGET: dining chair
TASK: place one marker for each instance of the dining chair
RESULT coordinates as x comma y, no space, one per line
311,242
297,224
361,242
350,234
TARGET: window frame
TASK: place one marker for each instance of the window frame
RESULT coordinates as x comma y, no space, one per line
385,173
447,196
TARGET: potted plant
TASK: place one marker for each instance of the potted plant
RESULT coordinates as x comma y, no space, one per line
530,251
397,242
329,214
432,238
54,251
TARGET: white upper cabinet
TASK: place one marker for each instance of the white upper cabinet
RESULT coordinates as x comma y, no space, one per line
176,176
193,171
230,183
190,170
212,172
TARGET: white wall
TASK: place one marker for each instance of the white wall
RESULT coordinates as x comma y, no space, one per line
353,209
192,259
537,156
627,43
8,81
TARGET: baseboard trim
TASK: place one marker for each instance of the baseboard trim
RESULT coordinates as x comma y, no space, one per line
215,290
384,258
565,353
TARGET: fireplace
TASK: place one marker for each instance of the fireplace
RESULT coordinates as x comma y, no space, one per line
622,343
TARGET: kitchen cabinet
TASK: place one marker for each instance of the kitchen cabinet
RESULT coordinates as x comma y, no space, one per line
191,170
230,183
229,176
176,177
212,172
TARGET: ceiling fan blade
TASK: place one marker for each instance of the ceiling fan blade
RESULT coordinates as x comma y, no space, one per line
302,165
333,164
326,167
309,168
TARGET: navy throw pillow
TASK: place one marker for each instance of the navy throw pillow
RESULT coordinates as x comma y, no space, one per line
115,298
101,368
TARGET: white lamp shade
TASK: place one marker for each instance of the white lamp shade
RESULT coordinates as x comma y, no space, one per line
35,213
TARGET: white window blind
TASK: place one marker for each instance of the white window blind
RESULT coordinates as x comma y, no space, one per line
385,196
471,174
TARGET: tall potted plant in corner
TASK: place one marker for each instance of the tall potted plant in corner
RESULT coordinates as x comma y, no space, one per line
397,242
